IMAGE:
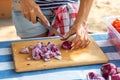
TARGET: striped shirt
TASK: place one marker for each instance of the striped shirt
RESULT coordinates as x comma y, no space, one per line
50,4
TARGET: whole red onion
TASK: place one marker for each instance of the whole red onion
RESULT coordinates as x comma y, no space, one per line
66,45
108,69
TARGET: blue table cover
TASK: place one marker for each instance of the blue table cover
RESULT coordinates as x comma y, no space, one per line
7,71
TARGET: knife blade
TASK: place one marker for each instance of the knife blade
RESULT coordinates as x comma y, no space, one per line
51,29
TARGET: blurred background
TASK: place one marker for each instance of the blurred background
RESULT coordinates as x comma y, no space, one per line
99,10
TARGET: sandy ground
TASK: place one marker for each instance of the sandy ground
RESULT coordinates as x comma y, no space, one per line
99,10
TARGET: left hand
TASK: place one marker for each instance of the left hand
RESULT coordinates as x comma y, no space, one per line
81,39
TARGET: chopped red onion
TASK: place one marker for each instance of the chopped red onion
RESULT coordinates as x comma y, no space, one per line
45,52
24,50
28,58
108,69
58,52
46,59
36,53
58,57
115,76
92,75
44,49
39,44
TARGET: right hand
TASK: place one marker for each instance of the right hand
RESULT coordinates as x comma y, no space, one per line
81,39
31,10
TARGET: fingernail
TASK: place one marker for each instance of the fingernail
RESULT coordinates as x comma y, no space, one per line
64,35
48,24
72,44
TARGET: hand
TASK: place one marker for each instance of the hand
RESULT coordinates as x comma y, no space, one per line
31,10
81,39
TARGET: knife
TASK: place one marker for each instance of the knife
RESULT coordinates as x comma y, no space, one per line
51,29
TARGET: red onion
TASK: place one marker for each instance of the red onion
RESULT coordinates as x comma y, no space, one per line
45,52
58,52
58,57
66,45
108,69
24,51
46,59
115,76
50,45
28,58
39,44
92,75
36,53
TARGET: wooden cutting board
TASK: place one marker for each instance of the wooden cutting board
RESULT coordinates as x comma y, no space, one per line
92,54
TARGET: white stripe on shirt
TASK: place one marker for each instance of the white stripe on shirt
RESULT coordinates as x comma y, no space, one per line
50,4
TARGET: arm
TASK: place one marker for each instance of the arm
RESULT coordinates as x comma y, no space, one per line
81,39
84,9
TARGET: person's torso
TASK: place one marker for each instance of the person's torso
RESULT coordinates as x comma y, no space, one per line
50,4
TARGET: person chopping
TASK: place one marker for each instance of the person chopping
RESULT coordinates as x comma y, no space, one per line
68,17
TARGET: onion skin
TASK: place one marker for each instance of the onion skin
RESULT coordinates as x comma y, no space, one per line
66,45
